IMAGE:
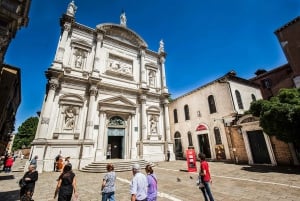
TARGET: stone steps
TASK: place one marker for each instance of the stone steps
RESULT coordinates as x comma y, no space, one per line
119,165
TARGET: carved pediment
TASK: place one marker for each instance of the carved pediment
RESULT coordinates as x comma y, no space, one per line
122,33
247,119
116,102
71,99
151,66
153,110
81,44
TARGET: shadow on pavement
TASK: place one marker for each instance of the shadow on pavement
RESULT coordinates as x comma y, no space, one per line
10,195
7,177
278,169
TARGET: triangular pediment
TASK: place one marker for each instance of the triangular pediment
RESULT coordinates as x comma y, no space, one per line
118,101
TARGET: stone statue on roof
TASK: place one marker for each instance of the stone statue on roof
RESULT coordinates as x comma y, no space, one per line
161,46
123,19
71,10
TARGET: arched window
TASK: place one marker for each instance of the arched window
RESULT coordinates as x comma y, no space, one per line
175,116
178,145
190,139
211,104
253,97
239,99
217,136
186,112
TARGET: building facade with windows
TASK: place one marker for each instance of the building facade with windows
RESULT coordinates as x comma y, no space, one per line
13,16
285,76
106,97
210,120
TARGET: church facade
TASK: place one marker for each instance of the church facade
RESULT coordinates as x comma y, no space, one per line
106,97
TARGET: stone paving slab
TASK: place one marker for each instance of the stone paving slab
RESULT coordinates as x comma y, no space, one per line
230,183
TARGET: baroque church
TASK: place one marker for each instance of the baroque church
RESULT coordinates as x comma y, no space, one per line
106,97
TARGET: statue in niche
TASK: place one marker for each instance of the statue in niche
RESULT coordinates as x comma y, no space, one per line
70,117
153,124
78,61
152,79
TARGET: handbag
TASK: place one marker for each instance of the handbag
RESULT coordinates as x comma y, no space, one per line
199,182
22,183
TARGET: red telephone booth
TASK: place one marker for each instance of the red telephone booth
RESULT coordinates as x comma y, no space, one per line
191,160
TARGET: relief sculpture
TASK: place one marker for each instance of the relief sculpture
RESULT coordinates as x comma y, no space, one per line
120,66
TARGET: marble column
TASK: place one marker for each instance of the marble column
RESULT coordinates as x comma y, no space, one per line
128,138
134,138
61,47
53,84
167,121
90,115
144,117
163,74
100,152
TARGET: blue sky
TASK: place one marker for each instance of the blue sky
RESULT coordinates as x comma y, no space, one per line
203,39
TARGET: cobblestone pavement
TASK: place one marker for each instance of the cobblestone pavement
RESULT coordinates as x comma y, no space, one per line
230,183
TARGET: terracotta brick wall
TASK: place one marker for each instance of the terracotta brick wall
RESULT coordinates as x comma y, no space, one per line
238,144
281,151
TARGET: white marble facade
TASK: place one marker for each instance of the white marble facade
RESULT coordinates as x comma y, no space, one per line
106,97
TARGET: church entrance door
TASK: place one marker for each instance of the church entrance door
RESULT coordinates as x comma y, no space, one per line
115,142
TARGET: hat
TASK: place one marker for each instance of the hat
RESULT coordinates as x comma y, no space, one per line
136,167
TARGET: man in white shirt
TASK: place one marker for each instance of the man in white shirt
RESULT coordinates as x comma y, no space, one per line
139,184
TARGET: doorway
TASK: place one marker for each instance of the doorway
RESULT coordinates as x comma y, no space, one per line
204,145
115,143
258,147
115,146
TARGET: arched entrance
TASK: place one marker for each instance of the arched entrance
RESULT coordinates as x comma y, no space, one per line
178,146
115,138
203,141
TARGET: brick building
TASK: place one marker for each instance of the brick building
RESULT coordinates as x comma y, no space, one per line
285,76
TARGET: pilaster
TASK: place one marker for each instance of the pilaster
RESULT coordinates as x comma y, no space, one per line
100,36
45,116
144,117
143,69
90,115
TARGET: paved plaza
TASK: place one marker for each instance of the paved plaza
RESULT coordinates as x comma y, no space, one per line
230,182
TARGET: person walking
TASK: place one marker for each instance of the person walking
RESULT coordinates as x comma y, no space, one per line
152,184
66,185
8,164
29,179
205,177
139,185
34,161
108,184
